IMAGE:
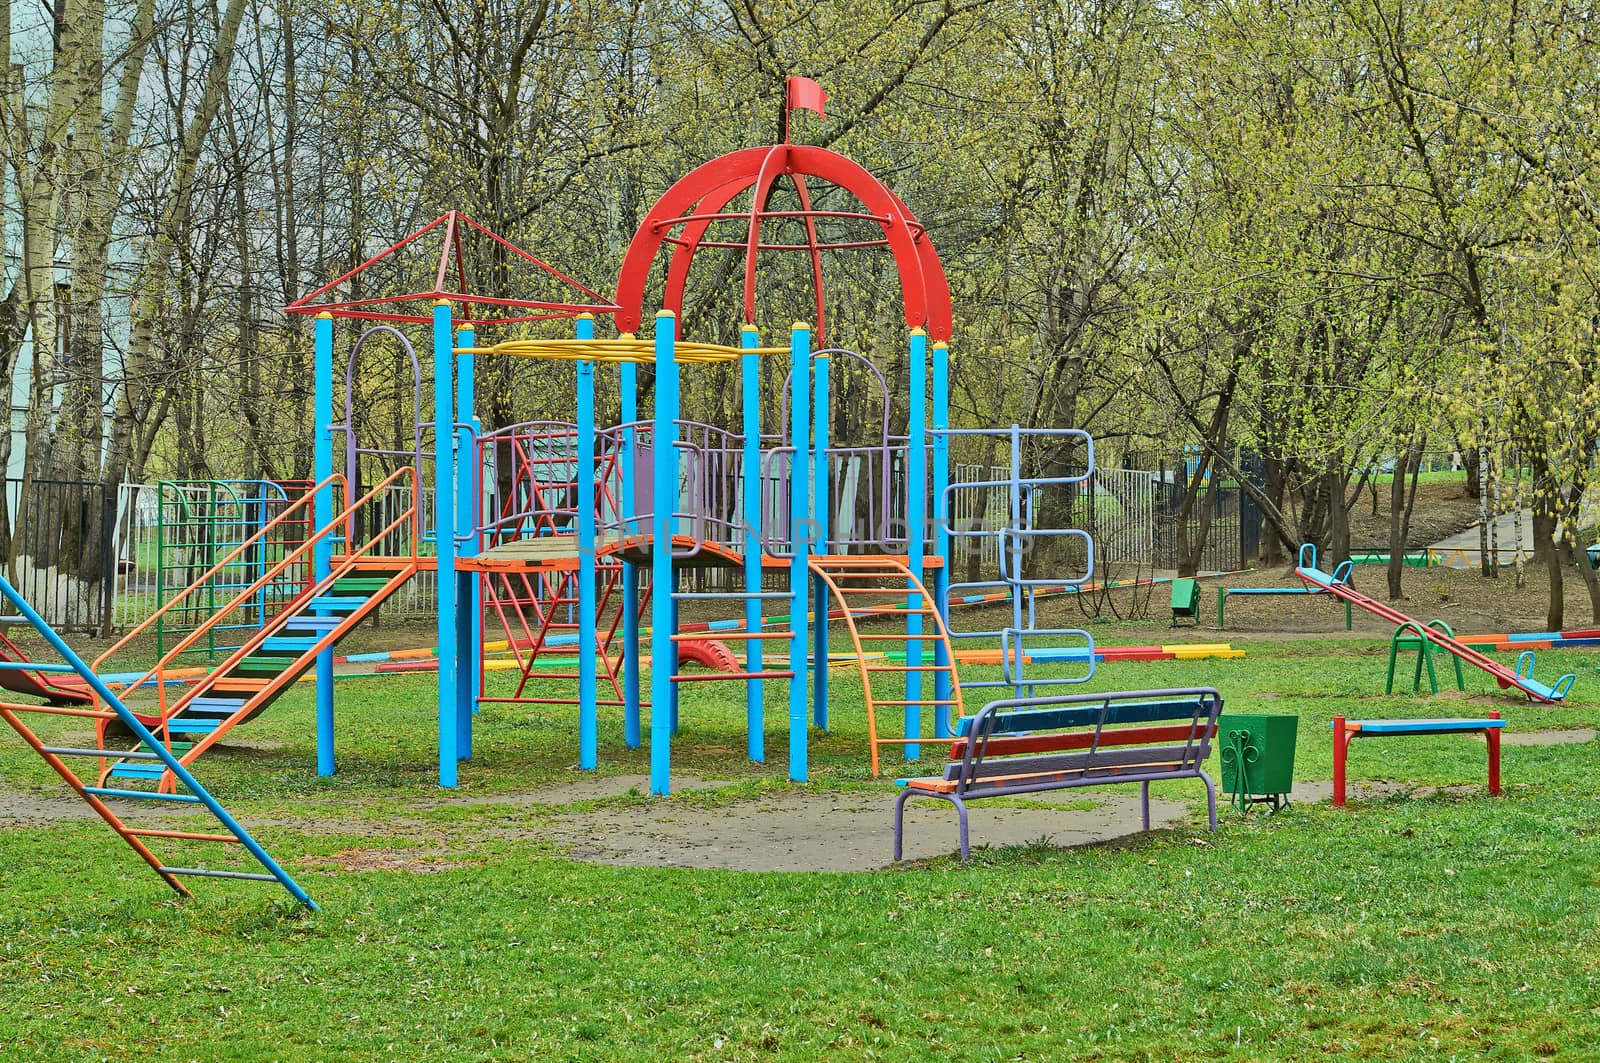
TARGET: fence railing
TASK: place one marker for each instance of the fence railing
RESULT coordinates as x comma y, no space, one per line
58,545
122,586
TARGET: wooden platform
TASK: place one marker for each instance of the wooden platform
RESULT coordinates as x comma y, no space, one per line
560,552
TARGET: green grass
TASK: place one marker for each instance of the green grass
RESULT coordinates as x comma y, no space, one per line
1438,927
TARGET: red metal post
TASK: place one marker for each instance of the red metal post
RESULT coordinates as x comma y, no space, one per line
1341,740
1493,736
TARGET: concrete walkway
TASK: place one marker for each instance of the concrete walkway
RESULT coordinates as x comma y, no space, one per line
1462,550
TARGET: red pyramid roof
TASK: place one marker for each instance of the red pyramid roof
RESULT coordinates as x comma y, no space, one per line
451,282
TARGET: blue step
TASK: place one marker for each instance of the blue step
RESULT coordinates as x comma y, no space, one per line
337,603
185,724
223,707
289,645
312,623
148,795
138,769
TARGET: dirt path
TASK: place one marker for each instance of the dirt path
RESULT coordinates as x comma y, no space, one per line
834,831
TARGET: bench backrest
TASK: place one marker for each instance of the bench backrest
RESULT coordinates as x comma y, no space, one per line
1085,735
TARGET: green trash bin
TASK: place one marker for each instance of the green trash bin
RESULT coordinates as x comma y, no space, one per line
1257,753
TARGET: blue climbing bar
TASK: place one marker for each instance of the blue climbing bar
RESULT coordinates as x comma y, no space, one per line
444,534
627,505
941,534
588,709
822,504
916,526
324,507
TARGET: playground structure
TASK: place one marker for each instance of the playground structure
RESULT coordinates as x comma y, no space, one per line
582,543
1519,678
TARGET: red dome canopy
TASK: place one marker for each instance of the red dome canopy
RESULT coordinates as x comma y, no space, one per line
701,196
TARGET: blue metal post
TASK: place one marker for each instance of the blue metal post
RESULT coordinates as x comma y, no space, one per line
800,532
664,501
754,707
916,524
444,507
1011,557
469,613
822,499
941,532
324,506
628,387
588,710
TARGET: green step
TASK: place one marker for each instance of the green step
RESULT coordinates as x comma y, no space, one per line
262,666
347,584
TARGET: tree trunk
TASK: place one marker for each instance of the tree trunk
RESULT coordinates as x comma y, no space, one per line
1401,502
1276,546
1337,547
1545,548
158,251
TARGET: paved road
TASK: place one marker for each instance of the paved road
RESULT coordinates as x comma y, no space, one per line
1462,550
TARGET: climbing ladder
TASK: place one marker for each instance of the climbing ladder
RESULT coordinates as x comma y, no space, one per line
1016,539
885,682
108,707
754,671
534,469
256,673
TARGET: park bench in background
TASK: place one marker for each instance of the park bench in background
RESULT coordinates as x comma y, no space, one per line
1340,575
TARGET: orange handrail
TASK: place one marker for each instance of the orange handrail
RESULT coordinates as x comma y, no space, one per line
339,521
411,515
868,565
228,559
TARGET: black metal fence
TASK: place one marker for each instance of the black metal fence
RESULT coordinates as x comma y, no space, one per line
57,541
1226,515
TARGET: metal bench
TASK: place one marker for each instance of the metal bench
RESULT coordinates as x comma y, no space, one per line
1031,745
1345,731
1340,575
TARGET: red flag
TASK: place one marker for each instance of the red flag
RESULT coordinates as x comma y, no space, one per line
803,94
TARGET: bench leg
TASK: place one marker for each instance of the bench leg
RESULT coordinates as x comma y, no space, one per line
1211,800
1493,737
899,819
1144,802
961,810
